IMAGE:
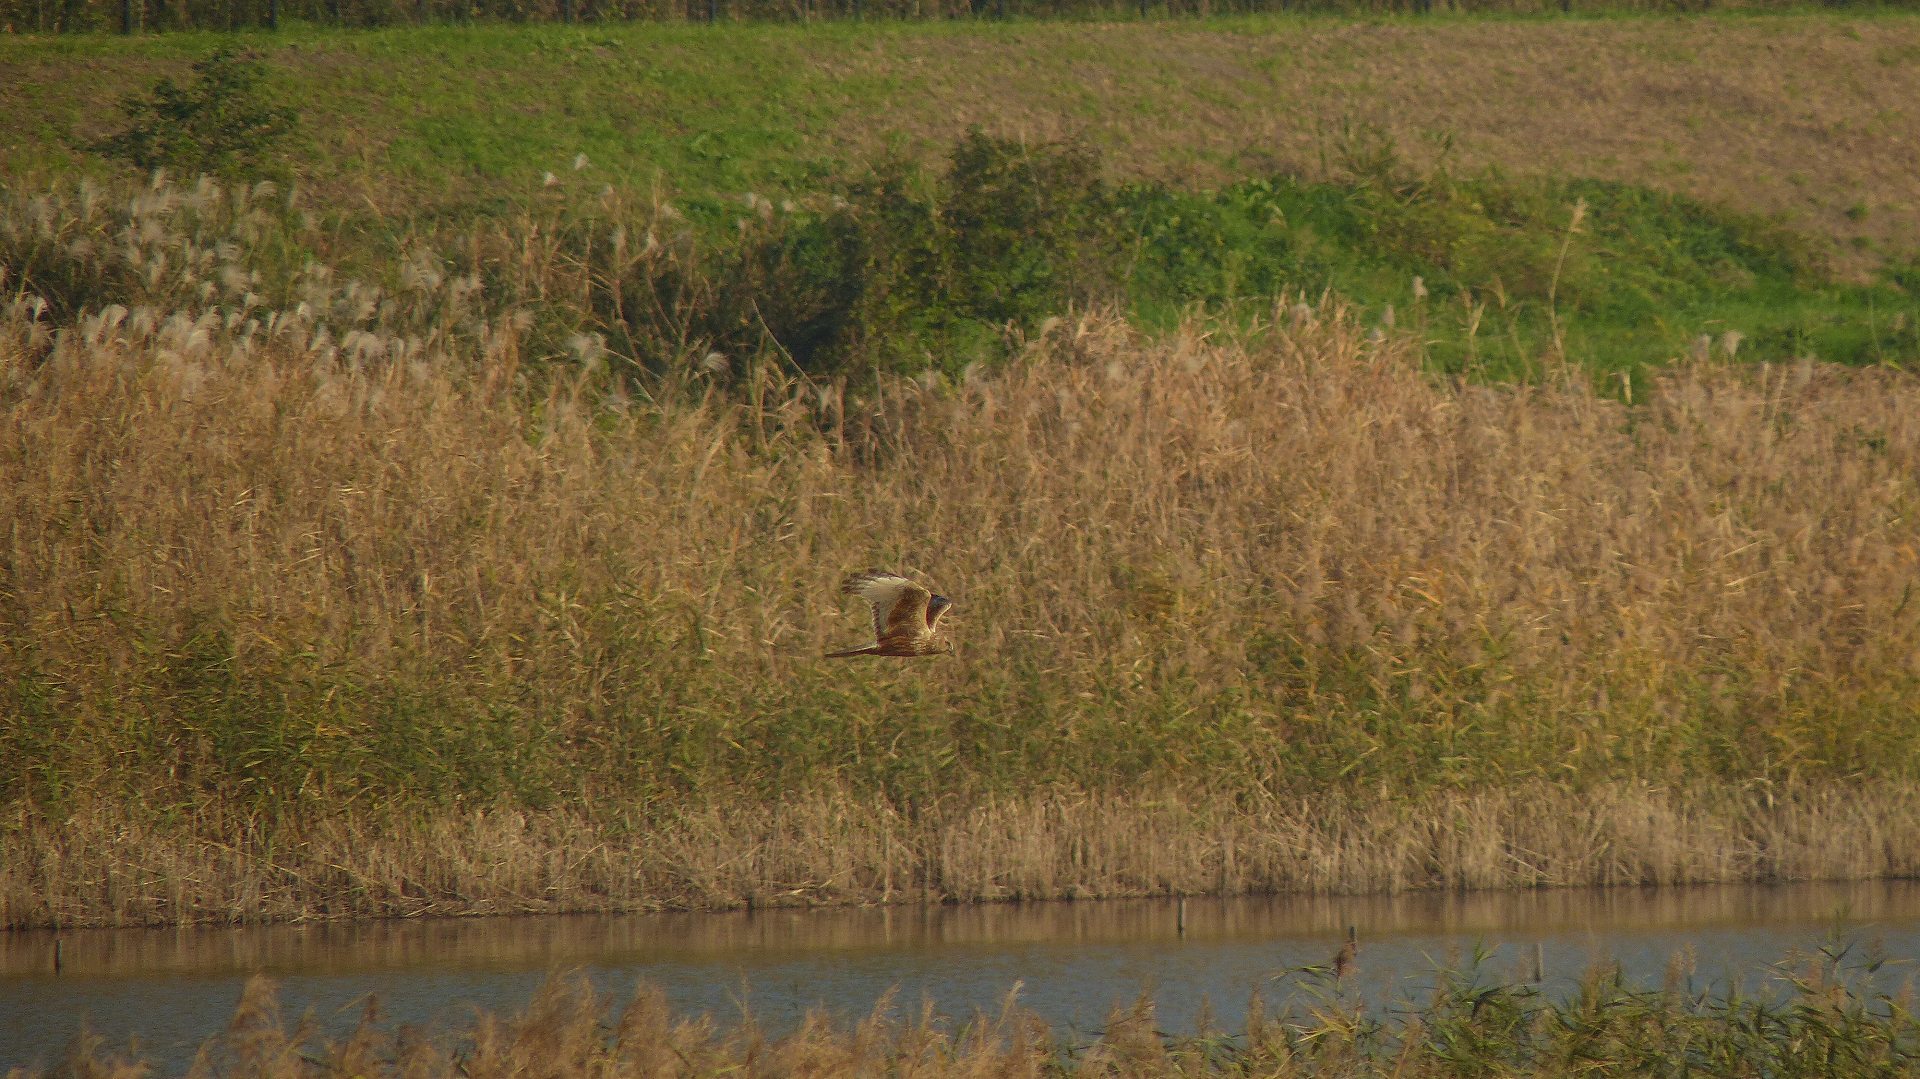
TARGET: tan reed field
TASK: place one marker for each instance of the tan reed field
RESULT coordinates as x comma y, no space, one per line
1824,1022
334,600
109,864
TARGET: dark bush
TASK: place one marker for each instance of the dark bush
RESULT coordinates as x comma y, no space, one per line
909,271
221,122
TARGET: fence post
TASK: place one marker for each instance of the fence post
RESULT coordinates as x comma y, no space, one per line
127,9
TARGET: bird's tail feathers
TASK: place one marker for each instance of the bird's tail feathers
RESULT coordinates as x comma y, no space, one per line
870,650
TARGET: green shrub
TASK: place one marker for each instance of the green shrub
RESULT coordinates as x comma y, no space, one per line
907,271
221,122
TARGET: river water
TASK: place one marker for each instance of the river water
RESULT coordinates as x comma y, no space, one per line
166,991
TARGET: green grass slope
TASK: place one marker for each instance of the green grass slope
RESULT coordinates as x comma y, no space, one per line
1752,176
1808,116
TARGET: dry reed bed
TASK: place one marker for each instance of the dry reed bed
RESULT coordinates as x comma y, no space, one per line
118,866
1261,612
1304,519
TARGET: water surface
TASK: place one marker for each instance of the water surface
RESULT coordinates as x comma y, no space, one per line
167,990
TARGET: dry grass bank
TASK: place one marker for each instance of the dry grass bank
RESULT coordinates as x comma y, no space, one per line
116,865
297,620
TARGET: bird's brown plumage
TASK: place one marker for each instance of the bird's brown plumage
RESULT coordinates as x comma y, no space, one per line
1348,956
906,616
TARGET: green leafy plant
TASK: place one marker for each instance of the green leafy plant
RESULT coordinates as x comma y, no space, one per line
220,122
902,269
909,265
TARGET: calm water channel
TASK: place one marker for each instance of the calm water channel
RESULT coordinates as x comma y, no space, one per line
171,989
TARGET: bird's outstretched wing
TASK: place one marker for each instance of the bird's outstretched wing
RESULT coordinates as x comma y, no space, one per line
900,607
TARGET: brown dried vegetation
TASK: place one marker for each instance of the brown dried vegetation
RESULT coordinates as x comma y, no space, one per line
298,622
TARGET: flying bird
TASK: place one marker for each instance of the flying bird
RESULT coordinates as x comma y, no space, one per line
906,617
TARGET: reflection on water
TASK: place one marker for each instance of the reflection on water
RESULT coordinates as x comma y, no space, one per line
1073,961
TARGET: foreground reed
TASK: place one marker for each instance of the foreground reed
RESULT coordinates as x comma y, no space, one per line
1817,1018
297,620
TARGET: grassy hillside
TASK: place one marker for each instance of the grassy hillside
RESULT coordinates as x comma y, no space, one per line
1809,116
1429,170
